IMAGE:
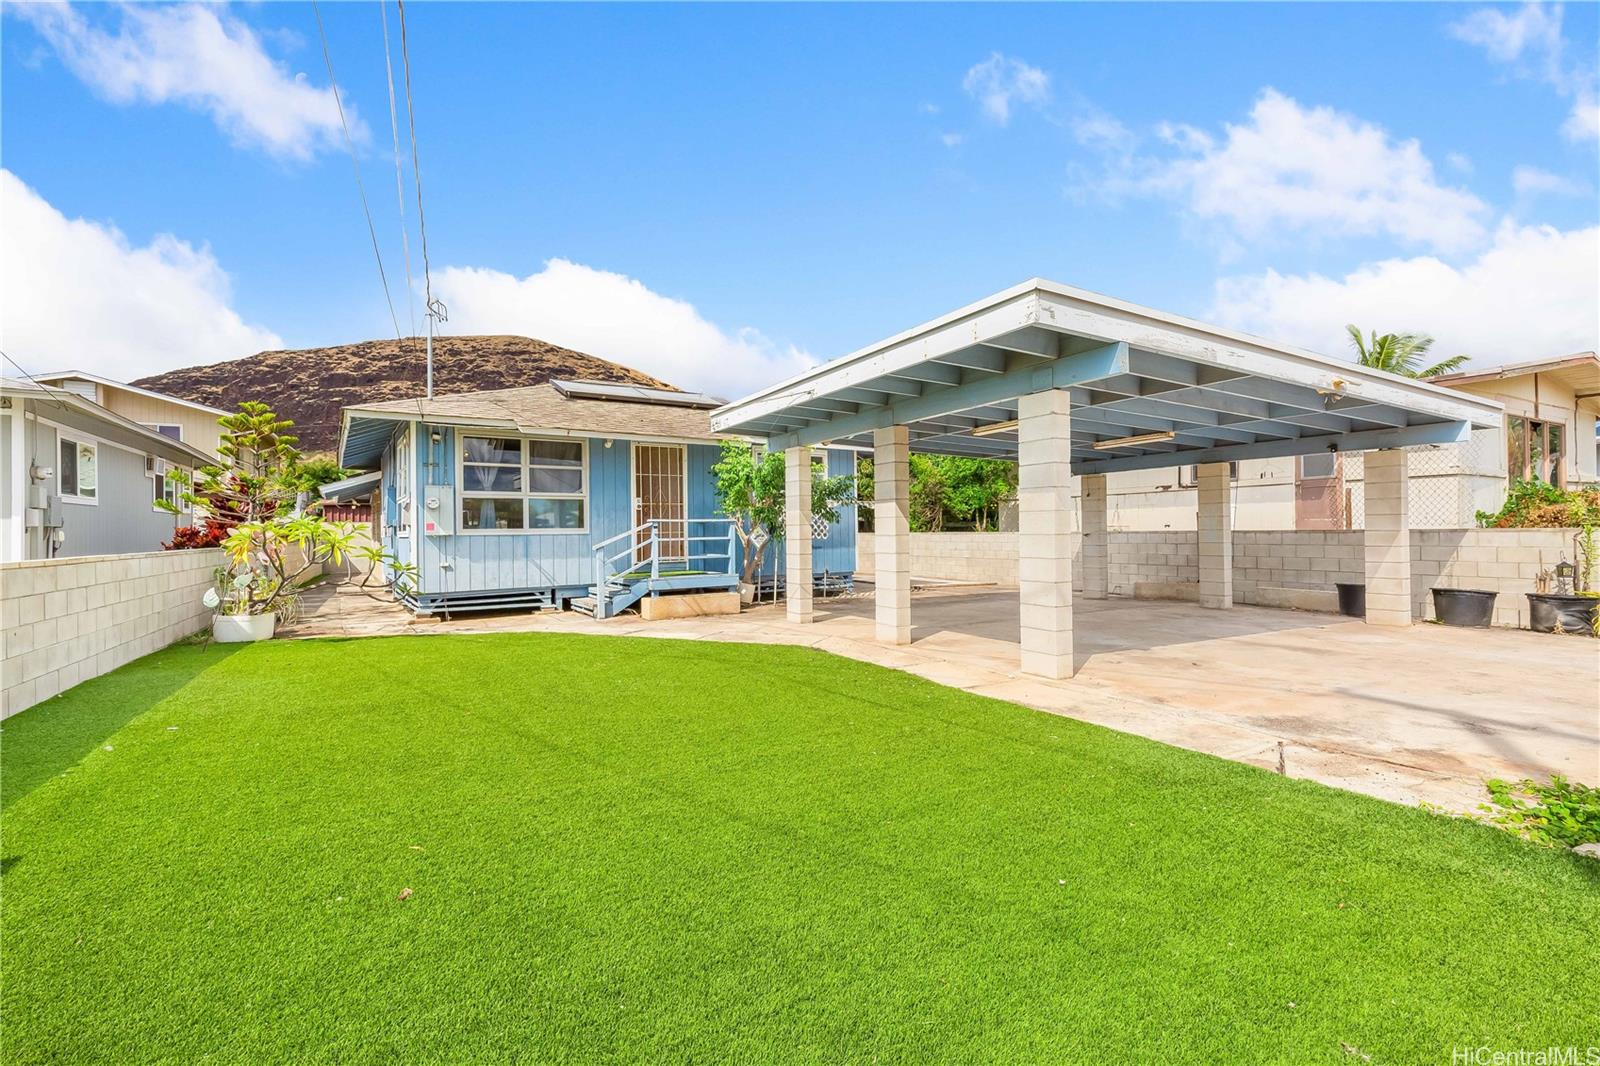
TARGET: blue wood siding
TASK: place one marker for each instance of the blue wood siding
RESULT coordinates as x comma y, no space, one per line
461,563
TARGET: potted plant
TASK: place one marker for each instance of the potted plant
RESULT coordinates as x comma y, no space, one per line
273,544
1564,599
233,621
1464,607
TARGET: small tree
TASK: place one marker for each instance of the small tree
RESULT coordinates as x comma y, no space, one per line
750,490
271,548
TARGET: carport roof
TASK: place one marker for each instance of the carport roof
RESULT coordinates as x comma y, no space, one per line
1193,392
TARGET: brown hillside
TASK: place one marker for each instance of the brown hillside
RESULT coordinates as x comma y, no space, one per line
310,385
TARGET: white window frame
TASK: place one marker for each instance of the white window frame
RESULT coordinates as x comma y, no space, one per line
168,487
157,427
78,441
402,482
526,494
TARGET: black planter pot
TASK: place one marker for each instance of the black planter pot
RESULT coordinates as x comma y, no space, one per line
1352,599
1575,614
1464,607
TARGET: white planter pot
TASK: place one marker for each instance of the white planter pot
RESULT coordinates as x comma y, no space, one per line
242,628
747,593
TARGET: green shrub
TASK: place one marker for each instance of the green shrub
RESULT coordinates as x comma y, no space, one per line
1562,812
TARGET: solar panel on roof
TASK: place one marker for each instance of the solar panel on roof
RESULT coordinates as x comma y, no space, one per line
606,390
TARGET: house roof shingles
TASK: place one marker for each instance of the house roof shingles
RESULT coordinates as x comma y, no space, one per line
536,409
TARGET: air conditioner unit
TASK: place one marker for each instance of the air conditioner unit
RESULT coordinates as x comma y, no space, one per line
160,468
150,464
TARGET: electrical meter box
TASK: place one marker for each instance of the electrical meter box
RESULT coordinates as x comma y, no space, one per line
439,510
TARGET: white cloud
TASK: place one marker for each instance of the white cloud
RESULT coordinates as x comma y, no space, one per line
1459,161
999,81
78,295
616,317
1530,41
1534,293
199,56
1531,181
951,140
1307,169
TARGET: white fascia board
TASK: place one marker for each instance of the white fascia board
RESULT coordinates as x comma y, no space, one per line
1364,441
1089,314
1011,310
112,383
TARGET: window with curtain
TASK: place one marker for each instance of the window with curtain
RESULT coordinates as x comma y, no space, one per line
510,483
79,475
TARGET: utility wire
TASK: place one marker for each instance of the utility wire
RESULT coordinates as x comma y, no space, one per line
355,163
399,182
35,382
416,170
434,308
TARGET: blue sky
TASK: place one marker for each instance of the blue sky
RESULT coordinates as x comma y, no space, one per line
722,193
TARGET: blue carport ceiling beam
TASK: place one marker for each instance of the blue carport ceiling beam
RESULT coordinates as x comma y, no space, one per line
1368,440
1062,373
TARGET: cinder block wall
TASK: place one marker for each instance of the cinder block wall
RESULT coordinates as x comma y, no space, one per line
1500,560
63,621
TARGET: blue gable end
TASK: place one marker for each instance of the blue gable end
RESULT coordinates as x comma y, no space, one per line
459,569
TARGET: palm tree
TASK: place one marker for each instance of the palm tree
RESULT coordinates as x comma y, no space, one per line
1401,353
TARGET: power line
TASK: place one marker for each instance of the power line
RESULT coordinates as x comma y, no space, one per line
399,182
435,309
355,163
35,382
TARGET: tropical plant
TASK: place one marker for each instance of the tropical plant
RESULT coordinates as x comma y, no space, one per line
750,490
210,534
1401,353
271,548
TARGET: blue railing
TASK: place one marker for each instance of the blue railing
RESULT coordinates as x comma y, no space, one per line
671,540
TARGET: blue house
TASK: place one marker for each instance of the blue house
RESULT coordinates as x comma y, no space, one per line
570,494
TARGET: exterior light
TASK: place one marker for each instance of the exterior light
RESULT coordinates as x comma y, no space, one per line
1131,442
993,428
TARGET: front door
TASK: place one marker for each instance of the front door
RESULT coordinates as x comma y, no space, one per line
660,492
1319,492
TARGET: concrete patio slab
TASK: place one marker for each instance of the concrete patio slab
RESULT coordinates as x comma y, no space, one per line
1418,714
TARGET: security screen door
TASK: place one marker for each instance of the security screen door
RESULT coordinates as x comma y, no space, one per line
660,488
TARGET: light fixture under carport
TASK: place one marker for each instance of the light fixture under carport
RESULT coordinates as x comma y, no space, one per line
1134,441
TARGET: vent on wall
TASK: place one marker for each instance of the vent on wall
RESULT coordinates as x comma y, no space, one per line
87,389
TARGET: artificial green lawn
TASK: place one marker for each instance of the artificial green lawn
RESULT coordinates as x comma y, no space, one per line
661,850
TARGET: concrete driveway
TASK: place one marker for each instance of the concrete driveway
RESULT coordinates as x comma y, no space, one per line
1413,715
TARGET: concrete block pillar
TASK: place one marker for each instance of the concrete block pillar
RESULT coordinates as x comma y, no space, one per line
797,533
1387,539
891,509
1044,531
1214,520
1092,556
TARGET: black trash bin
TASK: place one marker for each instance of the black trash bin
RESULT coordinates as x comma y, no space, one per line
1464,607
1352,599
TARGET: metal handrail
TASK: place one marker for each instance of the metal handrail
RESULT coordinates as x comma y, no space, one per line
606,578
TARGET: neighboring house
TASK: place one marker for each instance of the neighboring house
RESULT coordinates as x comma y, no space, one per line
192,423
545,495
1549,435
78,479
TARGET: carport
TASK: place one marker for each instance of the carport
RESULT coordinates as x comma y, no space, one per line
1069,384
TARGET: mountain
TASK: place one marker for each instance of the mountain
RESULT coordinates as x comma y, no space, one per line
310,385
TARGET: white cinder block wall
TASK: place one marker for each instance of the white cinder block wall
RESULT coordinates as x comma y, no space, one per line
1501,560
63,621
